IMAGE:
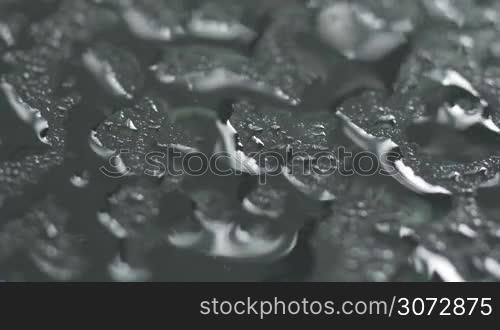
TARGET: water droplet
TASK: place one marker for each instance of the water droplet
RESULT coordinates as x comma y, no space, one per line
389,151
455,176
116,70
255,128
435,265
146,28
493,267
257,141
212,70
104,74
387,119
97,146
231,241
80,180
207,24
121,271
444,9
407,233
112,225
466,231
455,111
52,231
358,33
494,50
383,227
6,35
494,182
130,125
25,112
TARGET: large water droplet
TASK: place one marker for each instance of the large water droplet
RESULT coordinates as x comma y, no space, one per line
116,70
26,113
459,123
358,33
435,265
389,154
211,69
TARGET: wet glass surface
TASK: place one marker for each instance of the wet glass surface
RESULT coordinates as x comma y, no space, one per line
98,97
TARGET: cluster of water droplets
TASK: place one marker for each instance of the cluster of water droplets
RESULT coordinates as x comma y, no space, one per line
103,83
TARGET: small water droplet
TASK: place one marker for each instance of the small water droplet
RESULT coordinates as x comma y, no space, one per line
80,180
383,227
387,119
112,225
257,141
455,176
130,125
255,128
444,9
466,231
382,148
145,27
205,25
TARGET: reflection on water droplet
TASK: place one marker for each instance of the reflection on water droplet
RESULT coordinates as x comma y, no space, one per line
121,271
451,78
257,141
130,125
383,227
51,230
112,225
390,158
208,28
492,266
237,159
455,176
104,74
58,273
221,78
358,33
459,123
435,265
6,35
97,146
494,182
255,128
229,240
143,27
80,180
210,69
265,202
56,260
387,119
466,231
494,50
444,9
25,112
